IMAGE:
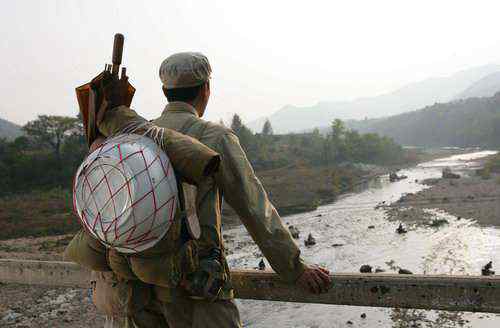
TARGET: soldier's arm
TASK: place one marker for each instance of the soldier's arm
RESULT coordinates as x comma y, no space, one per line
246,195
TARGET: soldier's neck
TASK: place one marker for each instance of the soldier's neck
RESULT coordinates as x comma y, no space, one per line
198,106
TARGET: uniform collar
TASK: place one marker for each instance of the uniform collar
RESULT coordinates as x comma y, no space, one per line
179,106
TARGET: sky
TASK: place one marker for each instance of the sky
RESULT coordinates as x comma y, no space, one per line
264,54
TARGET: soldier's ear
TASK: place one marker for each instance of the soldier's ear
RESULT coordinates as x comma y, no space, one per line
206,89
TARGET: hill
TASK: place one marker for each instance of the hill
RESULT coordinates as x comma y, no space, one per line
410,97
461,123
485,87
9,130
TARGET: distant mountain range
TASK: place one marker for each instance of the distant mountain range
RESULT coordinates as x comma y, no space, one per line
475,82
9,130
485,87
474,121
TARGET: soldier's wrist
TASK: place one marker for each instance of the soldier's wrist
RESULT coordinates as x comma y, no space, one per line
291,276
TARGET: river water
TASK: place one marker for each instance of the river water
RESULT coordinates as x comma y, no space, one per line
461,247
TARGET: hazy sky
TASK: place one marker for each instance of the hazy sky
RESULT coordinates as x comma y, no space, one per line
265,54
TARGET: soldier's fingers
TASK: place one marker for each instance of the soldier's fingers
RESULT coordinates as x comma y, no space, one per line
328,283
323,281
311,283
325,275
318,284
325,270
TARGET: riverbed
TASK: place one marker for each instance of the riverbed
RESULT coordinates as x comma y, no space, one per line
460,247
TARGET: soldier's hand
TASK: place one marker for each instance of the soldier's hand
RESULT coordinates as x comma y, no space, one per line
315,279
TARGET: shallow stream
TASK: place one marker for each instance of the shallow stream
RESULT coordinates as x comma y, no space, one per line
460,247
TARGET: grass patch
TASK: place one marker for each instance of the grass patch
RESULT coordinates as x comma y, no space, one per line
493,164
484,173
37,214
50,245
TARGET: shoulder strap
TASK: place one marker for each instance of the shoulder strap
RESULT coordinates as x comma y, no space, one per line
190,223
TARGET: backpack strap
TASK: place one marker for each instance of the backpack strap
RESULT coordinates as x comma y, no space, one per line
190,221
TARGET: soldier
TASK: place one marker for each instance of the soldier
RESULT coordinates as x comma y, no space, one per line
204,298
186,85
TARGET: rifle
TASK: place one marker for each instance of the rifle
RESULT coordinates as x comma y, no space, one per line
106,90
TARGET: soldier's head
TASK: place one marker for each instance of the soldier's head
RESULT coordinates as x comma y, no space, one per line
186,77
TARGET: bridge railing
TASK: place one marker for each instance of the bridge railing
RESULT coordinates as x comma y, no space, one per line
436,292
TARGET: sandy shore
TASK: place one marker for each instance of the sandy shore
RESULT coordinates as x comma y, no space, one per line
469,197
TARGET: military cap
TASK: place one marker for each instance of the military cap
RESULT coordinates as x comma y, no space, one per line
184,70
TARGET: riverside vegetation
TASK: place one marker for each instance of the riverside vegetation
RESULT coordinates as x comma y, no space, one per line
300,171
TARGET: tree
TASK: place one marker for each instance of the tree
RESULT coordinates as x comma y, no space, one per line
236,123
338,129
267,130
51,131
334,143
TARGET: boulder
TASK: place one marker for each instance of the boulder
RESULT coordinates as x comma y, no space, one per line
486,270
365,268
401,229
393,177
294,232
448,174
310,241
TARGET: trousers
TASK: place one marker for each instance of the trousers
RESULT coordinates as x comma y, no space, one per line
113,300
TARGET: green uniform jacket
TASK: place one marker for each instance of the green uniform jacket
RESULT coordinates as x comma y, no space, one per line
237,183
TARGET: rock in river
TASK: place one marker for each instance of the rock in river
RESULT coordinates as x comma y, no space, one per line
294,232
393,177
310,241
447,174
401,229
486,270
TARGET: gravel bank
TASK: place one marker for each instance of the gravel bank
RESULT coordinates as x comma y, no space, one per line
469,197
46,307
